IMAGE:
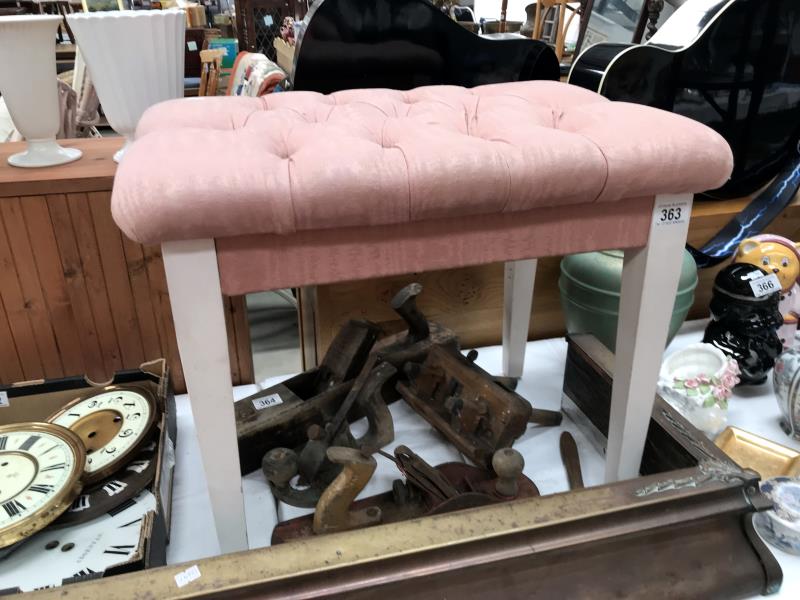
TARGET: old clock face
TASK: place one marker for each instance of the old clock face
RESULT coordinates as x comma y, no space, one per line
40,475
117,489
112,423
56,556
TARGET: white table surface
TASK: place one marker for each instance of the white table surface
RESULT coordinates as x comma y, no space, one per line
753,409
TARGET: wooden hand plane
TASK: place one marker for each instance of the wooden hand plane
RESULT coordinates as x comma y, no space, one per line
413,344
426,490
298,477
279,416
477,414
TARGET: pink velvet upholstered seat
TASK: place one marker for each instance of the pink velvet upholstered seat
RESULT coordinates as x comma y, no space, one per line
304,162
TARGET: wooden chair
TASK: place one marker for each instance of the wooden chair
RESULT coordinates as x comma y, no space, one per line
210,65
562,23
57,7
210,33
87,114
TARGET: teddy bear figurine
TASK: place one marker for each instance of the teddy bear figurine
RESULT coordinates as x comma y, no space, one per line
744,321
778,255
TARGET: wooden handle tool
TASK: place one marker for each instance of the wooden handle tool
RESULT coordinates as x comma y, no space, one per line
572,463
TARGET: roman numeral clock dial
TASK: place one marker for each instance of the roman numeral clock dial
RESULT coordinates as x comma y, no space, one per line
112,423
40,475
54,556
108,494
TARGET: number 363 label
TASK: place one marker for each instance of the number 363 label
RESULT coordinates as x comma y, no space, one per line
765,285
671,213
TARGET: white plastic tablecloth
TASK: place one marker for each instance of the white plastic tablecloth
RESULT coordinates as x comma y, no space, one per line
753,409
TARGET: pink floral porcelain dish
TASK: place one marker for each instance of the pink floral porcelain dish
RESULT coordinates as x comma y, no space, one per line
698,381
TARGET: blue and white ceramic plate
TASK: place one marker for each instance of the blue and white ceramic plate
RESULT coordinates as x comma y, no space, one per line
781,526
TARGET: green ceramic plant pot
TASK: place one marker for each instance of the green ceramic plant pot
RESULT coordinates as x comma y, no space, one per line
589,287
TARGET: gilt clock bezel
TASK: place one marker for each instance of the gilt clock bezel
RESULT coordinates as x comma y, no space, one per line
119,461
62,499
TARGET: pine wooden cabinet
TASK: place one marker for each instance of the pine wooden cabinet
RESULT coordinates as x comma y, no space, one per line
77,296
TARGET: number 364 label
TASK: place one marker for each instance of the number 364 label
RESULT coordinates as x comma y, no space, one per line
271,400
765,285
671,212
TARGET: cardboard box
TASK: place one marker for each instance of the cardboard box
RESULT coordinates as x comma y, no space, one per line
36,400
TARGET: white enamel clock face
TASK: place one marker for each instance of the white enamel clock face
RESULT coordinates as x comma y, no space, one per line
40,472
53,555
112,424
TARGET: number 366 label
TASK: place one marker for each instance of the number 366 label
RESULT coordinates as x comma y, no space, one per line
671,213
765,285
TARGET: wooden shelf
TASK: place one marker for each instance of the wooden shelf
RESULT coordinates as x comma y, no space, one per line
94,171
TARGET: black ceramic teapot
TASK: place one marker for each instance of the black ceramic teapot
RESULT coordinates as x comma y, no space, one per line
743,324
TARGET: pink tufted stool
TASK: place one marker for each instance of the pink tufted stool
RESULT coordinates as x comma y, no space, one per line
299,189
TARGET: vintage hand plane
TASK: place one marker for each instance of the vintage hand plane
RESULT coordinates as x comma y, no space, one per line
280,415
477,414
413,344
298,477
427,490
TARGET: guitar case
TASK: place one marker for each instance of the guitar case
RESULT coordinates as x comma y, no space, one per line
733,65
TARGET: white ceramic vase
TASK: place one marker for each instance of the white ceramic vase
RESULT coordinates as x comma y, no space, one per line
30,89
135,59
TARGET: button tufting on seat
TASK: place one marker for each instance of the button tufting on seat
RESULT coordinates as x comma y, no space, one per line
496,148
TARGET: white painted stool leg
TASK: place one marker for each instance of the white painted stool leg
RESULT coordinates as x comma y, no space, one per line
196,298
649,283
517,300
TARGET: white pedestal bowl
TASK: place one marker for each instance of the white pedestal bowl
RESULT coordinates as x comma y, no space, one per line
30,89
135,59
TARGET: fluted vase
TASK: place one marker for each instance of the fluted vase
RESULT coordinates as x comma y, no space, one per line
30,89
530,20
135,60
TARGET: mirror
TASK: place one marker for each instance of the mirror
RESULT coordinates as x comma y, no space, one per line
623,21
